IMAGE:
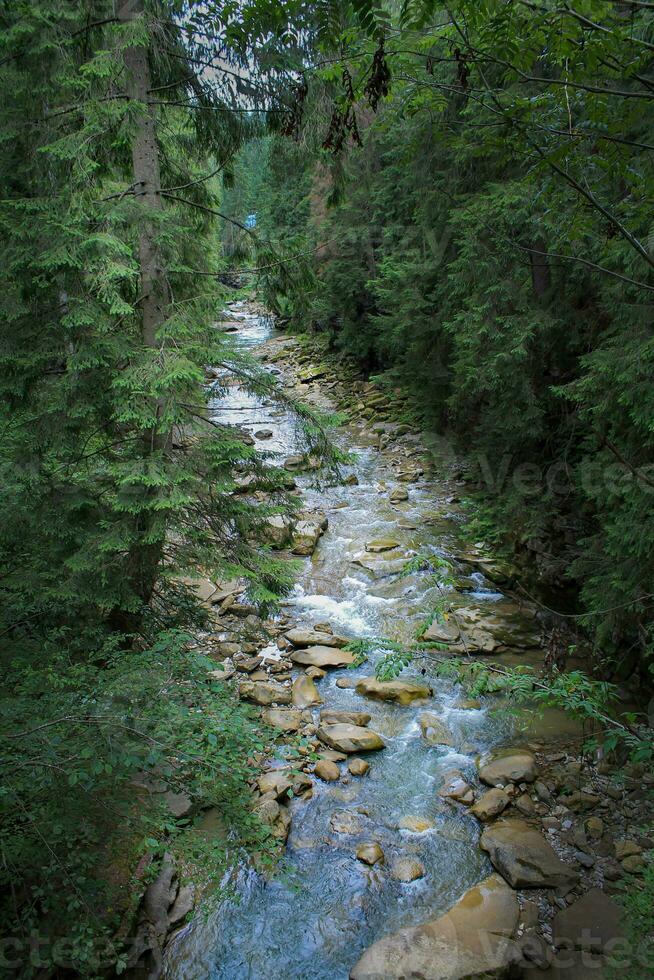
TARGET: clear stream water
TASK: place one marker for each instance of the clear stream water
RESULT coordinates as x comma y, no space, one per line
314,921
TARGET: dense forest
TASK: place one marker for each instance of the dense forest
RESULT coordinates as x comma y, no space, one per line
452,205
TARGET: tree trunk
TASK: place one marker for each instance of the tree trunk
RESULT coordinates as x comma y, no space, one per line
144,557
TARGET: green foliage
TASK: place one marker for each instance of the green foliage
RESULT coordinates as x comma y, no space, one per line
489,251
635,957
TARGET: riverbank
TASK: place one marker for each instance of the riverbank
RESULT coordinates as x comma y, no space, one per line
400,823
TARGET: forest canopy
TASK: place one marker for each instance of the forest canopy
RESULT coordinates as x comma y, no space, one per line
456,198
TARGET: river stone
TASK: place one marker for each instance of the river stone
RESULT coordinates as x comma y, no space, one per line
358,767
370,853
490,805
433,730
456,788
345,822
417,825
360,718
328,771
285,719
309,638
276,531
381,544
407,869
593,922
472,940
350,738
305,538
398,495
280,781
512,766
263,434
332,756
304,693
401,692
322,656
315,673
523,856
265,692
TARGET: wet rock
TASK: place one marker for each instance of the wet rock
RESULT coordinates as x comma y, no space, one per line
512,766
304,693
490,805
380,545
274,816
593,923
415,825
345,822
472,940
468,704
455,787
351,480
370,853
327,771
433,730
398,495
360,718
523,856
401,692
322,656
309,638
486,629
358,767
280,781
265,692
346,683
286,719
315,673
350,738
407,869
276,531
263,434
305,537
332,756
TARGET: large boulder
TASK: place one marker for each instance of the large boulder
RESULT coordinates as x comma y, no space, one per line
265,692
490,805
489,628
523,856
286,719
511,766
473,939
305,538
350,738
310,638
322,656
304,692
328,717
401,692
380,545
433,730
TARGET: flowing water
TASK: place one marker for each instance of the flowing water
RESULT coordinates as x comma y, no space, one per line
314,921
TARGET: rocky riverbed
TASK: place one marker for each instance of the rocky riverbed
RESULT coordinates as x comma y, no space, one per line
425,835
